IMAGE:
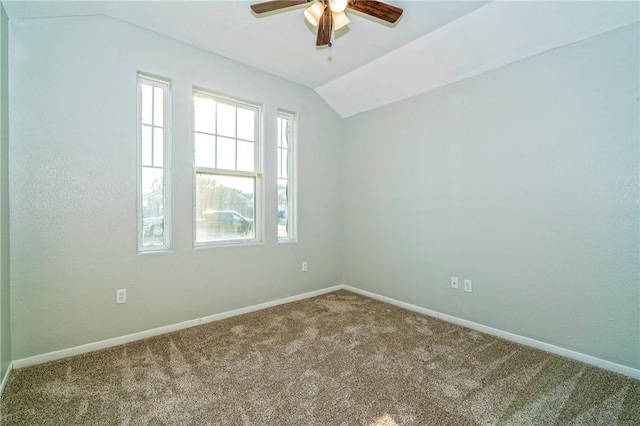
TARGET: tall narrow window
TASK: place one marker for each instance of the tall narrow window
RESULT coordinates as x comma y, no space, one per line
285,147
154,225
227,161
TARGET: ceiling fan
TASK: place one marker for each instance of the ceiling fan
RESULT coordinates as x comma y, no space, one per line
329,16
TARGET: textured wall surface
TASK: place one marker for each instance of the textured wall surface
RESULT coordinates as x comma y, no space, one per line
5,320
523,179
73,188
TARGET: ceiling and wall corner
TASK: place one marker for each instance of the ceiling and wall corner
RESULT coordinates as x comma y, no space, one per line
371,64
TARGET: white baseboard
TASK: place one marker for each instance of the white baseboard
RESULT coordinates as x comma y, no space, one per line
567,353
90,347
5,378
103,344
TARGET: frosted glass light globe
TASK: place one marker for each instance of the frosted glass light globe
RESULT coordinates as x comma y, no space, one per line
338,6
313,13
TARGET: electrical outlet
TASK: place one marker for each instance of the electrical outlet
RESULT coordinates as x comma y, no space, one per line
468,286
454,282
305,267
121,295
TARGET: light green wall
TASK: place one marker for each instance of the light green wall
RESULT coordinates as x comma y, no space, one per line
5,325
73,188
523,179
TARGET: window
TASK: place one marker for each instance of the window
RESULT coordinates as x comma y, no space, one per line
226,160
285,146
154,207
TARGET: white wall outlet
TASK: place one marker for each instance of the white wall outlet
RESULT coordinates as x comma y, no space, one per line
454,282
468,286
305,267
121,295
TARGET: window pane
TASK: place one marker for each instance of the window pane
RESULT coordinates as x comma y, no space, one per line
152,206
158,106
147,146
154,185
285,134
246,156
282,132
147,103
279,171
205,146
286,202
225,207
158,142
226,120
283,206
246,124
204,115
285,164
226,153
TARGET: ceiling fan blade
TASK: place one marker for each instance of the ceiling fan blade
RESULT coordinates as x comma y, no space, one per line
377,9
325,25
270,6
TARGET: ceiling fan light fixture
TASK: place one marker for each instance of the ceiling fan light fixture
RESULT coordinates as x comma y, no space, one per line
313,13
337,6
328,15
340,20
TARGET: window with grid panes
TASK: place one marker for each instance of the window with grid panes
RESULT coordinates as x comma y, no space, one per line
226,160
285,176
154,224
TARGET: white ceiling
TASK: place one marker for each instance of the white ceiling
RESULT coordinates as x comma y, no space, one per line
371,63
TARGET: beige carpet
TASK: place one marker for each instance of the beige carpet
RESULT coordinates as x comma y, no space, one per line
337,359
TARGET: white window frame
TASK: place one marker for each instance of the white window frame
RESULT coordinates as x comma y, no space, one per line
165,84
292,138
256,174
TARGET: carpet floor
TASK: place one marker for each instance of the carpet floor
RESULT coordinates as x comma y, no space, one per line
336,359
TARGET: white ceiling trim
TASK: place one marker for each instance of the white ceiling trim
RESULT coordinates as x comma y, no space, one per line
494,35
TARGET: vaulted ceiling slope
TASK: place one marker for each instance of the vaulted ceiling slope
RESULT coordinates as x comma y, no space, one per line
370,64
